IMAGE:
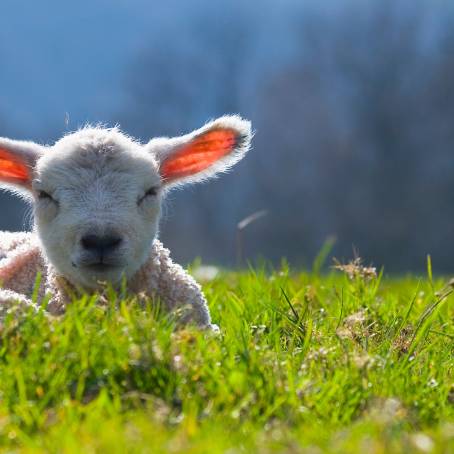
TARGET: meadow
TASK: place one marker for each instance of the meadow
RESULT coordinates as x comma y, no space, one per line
348,360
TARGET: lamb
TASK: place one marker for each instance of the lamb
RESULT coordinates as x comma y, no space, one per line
97,196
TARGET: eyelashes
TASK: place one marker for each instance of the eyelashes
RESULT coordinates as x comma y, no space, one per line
43,195
47,199
152,192
47,203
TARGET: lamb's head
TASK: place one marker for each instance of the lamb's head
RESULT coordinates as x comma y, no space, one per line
97,193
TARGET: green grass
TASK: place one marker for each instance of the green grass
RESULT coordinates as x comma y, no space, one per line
304,363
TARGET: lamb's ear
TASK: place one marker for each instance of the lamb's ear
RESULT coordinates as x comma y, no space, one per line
203,153
17,160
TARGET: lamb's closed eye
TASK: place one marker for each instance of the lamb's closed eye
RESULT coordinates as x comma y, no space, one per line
44,195
151,192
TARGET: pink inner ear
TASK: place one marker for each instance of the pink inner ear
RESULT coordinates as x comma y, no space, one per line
12,170
199,154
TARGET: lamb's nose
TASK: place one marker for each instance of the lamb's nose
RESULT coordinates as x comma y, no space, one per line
100,244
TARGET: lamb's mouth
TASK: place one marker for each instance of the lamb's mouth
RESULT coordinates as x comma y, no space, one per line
101,267
98,266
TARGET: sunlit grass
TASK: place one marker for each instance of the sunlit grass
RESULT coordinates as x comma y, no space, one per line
344,362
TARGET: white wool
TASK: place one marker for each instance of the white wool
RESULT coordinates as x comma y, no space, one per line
159,278
97,197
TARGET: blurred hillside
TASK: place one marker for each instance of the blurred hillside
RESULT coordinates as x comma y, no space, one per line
352,103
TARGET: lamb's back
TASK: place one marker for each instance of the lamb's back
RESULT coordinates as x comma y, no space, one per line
10,241
20,261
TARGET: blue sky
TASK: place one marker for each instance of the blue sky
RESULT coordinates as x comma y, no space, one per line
63,57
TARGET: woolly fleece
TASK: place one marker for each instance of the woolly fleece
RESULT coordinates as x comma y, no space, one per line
21,259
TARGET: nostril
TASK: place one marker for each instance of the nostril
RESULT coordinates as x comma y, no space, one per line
90,241
100,243
114,241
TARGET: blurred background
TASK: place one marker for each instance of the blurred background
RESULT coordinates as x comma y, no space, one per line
352,103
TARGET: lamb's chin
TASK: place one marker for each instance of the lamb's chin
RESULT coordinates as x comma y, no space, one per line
95,278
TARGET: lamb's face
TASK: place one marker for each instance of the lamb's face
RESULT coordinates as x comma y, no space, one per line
97,194
97,204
